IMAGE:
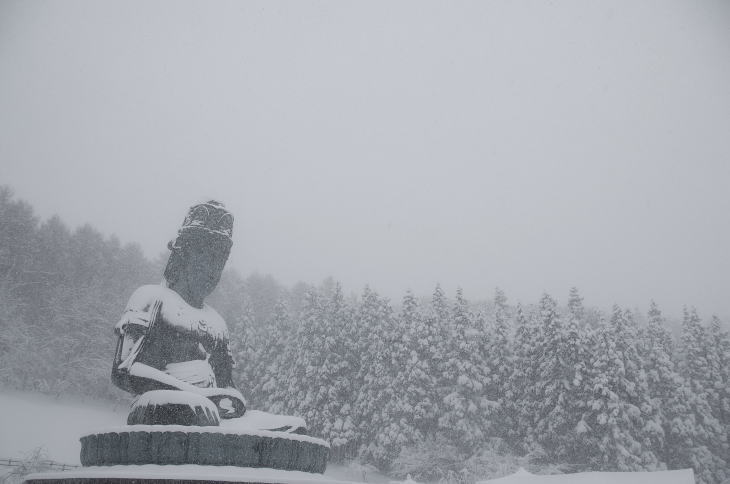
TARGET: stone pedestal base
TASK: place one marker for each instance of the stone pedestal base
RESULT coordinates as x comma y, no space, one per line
179,474
207,446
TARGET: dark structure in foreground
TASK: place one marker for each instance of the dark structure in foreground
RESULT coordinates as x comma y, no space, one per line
189,422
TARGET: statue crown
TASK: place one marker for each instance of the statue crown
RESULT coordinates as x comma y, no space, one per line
210,216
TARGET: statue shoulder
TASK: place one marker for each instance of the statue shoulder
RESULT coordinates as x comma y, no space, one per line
176,313
216,321
135,314
145,296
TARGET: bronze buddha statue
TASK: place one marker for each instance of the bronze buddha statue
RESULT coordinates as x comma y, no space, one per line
169,339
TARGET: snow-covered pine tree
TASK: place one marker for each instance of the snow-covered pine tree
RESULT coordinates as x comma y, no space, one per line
417,380
282,391
719,375
440,305
306,395
373,315
560,393
577,357
576,354
439,330
662,378
247,343
695,366
465,413
651,431
383,426
576,310
549,374
17,358
274,361
620,400
337,378
692,435
498,356
696,438
51,249
518,415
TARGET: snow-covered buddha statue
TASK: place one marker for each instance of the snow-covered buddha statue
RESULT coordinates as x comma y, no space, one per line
169,339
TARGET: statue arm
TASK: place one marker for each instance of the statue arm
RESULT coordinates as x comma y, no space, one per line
229,401
222,362
134,330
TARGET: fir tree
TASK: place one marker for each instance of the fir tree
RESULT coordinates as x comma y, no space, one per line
463,419
561,396
439,331
662,379
316,340
619,403
417,380
247,343
336,376
575,306
272,373
719,374
498,356
695,365
440,306
577,381
518,415
696,438
379,404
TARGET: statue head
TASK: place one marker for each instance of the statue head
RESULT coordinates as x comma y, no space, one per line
200,251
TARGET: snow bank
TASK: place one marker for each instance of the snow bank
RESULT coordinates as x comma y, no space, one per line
31,420
684,476
193,473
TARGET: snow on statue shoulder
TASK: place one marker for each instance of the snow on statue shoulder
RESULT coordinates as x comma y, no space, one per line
175,312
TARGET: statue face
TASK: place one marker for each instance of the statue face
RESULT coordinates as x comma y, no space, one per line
204,255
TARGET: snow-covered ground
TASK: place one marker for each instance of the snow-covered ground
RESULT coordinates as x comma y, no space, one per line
29,421
685,476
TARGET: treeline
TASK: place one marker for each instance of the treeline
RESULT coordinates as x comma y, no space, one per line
60,294
430,388
439,388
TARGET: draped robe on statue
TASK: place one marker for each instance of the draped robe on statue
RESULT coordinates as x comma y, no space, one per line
166,344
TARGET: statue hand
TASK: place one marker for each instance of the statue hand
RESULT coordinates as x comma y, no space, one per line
228,406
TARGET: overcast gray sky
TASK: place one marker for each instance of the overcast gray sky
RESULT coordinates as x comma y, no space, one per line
531,145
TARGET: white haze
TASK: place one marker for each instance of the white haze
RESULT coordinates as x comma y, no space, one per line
529,145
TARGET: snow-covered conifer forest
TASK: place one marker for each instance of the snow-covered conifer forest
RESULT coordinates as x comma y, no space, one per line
433,387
